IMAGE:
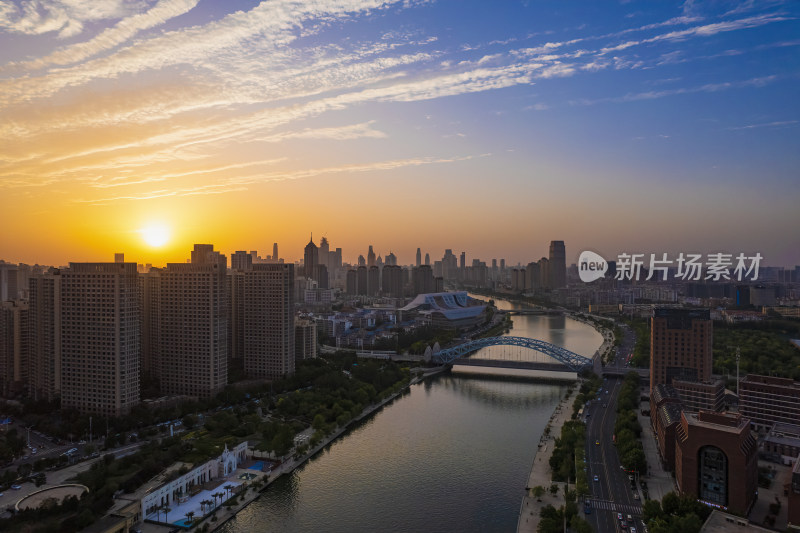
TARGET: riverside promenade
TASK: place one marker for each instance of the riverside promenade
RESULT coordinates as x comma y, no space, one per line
541,474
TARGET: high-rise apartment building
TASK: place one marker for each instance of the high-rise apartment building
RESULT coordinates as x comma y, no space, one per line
392,281
14,347
557,265
305,341
680,346
268,346
100,337
44,360
150,298
193,343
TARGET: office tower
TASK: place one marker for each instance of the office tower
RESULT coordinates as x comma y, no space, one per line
379,263
423,280
361,261
391,259
150,298
321,276
370,257
680,346
392,281
242,260
351,282
337,258
305,339
716,460
373,280
14,347
310,258
419,257
269,336
44,361
558,265
275,251
449,265
324,252
100,338
502,273
462,266
427,259
362,285
194,324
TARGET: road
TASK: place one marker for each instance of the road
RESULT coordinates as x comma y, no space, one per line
612,493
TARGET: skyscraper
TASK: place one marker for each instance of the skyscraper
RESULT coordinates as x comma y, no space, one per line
680,346
419,257
269,335
427,259
324,252
100,338
557,265
275,251
44,361
310,258
370,257
193,343
14,344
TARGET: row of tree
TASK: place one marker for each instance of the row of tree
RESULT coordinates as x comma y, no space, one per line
627,429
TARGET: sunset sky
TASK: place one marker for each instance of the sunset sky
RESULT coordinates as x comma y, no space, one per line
490,127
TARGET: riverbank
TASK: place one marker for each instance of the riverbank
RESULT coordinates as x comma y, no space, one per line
224,514
541,475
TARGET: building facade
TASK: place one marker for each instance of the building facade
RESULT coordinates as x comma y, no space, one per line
193,340
766,400
716,460
680,345
100,338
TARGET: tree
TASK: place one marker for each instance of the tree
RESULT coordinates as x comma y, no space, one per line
538,491
553,489
190,517
166,510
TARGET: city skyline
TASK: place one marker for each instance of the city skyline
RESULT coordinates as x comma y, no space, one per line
146,127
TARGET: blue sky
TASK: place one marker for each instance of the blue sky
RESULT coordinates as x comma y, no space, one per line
490,127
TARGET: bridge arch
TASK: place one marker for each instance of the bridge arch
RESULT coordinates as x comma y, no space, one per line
570,359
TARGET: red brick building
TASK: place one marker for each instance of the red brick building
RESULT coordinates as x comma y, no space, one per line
680,346
716,460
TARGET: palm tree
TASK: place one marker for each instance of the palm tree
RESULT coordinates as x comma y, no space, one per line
167,509
217,495
190,517
227,489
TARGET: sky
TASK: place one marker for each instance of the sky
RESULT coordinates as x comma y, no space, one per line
144,126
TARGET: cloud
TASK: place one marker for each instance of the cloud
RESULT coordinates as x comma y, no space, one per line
109,38
67,17
766,125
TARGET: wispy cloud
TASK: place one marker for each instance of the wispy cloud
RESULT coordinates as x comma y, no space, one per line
775,124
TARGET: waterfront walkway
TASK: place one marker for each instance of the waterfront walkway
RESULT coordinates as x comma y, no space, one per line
529,511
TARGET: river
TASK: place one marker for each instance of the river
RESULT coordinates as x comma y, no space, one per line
452,454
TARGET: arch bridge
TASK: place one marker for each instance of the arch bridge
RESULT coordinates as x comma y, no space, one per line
570,359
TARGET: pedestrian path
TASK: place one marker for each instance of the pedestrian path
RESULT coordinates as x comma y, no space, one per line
623,508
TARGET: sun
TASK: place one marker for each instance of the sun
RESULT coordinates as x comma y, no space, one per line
155,235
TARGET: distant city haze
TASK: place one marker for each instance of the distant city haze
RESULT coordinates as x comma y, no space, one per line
489,128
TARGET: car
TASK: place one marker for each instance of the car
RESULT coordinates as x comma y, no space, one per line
597,442
630,518
619,516
633,529
16,487
598,479
605,405
26,457
635,495
82,442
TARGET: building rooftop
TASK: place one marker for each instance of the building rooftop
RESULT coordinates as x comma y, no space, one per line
770,380
670,413
719,522
731,422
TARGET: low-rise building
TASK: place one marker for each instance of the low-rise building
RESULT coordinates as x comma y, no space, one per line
768,399
781,444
